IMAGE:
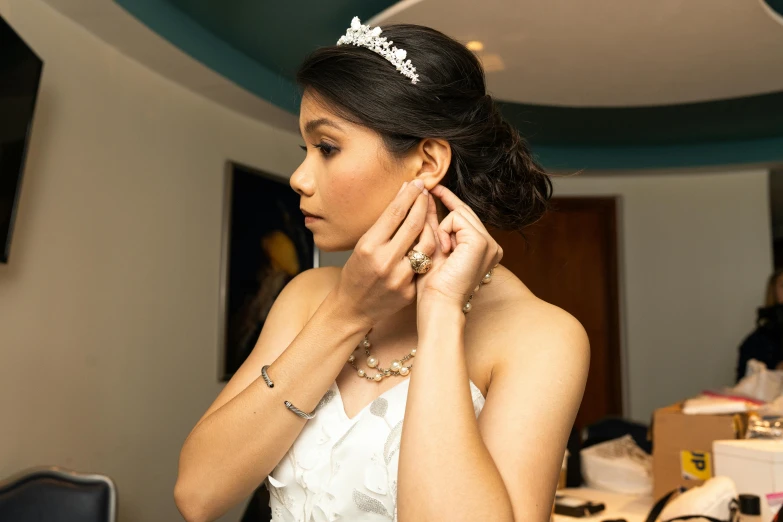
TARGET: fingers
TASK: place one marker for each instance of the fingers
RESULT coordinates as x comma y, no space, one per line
395,213
412,226
459,229
447,197
462,227
454,204
427,243
442,237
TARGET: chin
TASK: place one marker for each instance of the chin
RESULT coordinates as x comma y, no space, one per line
333,243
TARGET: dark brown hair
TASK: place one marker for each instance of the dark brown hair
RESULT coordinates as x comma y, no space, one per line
492,168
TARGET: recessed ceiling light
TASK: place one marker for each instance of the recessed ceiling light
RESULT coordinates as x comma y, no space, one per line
475,46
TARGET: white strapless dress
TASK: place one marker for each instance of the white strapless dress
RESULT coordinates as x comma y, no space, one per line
342,468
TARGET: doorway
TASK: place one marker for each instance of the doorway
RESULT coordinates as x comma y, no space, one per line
569,259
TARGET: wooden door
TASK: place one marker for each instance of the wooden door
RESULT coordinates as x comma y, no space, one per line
569,259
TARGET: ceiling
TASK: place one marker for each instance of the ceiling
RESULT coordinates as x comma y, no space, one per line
610,53
278,35
600,84
215,71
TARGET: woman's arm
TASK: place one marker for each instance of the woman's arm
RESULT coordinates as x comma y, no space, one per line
445,470
248,430
503,467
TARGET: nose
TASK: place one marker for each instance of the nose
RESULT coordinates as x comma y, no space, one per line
302,181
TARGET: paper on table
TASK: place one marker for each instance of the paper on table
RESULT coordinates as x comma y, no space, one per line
713,405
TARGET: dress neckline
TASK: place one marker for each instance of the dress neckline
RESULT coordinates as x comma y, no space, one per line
344,414
359,413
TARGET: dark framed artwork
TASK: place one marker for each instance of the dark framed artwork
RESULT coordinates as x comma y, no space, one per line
265,245
20,77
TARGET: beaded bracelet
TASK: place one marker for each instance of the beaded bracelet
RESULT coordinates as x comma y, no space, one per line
288,405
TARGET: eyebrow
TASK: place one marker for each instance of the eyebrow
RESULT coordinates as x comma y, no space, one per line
314,124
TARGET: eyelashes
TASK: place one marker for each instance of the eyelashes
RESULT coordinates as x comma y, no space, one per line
325,148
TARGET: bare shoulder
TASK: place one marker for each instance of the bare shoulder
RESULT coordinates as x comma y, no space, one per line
312,286
320,279
290,312
524,329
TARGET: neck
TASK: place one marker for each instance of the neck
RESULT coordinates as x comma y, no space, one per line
400,325
403,317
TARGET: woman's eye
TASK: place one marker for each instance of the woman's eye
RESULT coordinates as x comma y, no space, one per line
326,149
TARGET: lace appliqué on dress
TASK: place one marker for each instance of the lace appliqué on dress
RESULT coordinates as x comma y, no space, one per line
370,505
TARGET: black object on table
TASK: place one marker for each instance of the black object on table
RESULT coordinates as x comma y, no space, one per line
576,507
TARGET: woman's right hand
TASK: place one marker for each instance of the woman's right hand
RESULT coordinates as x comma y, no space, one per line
377,280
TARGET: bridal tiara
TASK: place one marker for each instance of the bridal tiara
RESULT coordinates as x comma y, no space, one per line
363,36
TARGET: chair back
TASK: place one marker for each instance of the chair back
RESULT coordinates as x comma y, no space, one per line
54,494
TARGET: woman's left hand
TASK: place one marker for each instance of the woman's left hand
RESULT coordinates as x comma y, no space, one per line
467,252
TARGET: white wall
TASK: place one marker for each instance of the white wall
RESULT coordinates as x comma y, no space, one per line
695,254
334,258
109,306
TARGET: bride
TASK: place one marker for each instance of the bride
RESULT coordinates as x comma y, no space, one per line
407,160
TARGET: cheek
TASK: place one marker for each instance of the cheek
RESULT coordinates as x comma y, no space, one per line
357,188
345,191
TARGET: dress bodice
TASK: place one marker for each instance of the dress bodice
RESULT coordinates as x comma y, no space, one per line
342,468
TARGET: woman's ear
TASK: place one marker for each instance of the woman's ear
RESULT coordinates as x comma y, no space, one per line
432,159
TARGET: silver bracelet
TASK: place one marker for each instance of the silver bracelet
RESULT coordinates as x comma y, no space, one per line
265,375
299,412
288,404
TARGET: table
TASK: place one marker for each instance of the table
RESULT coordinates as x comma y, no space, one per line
629,507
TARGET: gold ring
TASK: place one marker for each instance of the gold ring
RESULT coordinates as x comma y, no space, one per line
420,262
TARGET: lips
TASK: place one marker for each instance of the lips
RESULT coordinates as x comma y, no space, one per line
308,214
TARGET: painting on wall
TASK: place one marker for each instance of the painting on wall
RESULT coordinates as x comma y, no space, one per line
265,245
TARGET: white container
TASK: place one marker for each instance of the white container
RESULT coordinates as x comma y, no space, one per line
618,466
755,466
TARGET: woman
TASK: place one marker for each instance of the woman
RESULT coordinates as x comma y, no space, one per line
385,135
765,343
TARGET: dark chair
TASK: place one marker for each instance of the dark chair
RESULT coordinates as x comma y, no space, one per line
53,494
612,428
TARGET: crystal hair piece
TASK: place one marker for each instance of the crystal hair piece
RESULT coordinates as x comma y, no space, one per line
363,36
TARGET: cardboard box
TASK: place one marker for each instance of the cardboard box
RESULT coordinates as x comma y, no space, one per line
682,446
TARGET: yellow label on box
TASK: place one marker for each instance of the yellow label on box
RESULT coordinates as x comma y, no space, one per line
696,465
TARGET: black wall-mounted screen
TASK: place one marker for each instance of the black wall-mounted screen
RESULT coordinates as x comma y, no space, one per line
20,74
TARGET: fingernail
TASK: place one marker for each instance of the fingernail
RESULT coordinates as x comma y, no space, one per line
419,184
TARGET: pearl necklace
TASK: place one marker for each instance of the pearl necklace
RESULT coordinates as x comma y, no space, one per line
397,367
